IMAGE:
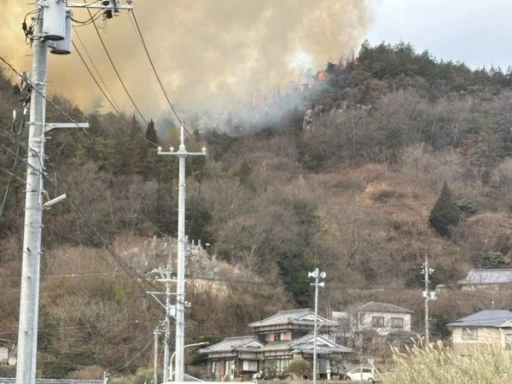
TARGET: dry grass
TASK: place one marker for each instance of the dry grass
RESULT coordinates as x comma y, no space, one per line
436,364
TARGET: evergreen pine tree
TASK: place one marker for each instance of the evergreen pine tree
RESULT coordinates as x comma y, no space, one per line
445,213
151,135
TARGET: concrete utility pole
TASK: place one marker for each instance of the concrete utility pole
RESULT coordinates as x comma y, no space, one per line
52,30
170,312
317,275
29,298
180,285
155,356
428,296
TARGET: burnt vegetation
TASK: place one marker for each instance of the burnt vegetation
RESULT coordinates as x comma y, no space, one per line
351,188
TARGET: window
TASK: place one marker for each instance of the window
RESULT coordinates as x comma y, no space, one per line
397,322
377,321
277,366
469,334
249,365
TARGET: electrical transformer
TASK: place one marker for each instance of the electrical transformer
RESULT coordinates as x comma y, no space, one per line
63,47
54,20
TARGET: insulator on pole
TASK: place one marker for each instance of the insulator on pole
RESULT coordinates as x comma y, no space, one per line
54,20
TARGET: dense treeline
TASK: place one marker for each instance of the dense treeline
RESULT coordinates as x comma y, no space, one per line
350,191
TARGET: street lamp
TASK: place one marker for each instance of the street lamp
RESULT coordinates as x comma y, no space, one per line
317,275
171,373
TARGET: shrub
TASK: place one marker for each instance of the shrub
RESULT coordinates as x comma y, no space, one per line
492,260
466,207
298,367
444,215
63,363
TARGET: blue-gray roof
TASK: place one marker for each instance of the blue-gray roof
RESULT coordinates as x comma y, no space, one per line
372,306
232,343
324,345
294,316
484,318
487,276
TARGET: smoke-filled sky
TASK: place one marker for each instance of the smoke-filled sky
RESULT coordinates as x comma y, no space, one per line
208,52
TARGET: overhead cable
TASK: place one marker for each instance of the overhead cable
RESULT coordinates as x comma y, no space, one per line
117,72
173,109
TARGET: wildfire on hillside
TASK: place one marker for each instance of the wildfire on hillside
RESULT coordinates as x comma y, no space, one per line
309,81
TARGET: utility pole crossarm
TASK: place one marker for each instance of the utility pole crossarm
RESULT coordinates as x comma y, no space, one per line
49,127
110,5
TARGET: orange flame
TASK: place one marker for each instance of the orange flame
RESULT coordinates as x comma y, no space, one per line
353,61
321,75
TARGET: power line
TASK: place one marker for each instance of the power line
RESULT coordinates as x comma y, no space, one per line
116,71
111,101
157,76
101,89
119,323
133,358
12,173
116,107
129,270
96,16
43,96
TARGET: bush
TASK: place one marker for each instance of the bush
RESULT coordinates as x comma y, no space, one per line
66,362
445,214
298,367
466,207
493,260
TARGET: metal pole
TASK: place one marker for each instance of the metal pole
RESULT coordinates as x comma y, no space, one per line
29,298
180,285
180,273
427,298
167,323
317,272
155,356
317,275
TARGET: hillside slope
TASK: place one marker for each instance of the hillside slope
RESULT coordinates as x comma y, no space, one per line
345,179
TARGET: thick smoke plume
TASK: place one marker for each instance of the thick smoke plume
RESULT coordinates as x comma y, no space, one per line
211,54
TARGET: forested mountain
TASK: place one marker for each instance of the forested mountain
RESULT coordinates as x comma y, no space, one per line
345,179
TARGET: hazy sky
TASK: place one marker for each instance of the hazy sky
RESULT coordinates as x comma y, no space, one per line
476,32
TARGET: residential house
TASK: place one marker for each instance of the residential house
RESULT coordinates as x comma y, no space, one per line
483,328
487,279
375,324
275,342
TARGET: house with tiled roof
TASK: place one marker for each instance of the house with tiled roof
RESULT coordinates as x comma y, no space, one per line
374,324
486,279
481,329
275,342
